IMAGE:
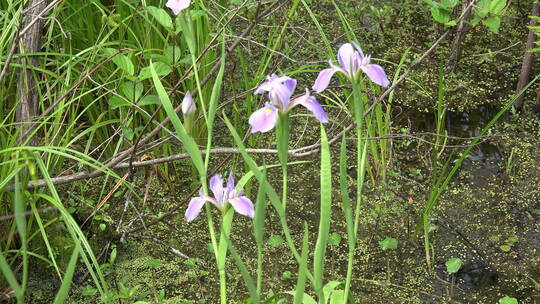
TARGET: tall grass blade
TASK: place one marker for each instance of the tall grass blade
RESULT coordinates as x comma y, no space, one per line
68,277
244,271
325,215
187,141
73,228
302,268
20,221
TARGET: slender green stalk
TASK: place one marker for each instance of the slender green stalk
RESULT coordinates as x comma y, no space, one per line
283,152
225,231
360,146
361,156
258,227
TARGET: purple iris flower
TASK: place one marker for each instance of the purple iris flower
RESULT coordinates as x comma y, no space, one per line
280,90
222,196
177,5
351,61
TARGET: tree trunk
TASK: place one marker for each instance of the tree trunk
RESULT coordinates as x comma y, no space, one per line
538,99
455,51
527,58
29,43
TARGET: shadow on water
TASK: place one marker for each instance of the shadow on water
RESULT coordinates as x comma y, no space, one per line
485,156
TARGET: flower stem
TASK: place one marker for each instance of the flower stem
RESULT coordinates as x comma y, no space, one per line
283,151
225,231
259,270
361,156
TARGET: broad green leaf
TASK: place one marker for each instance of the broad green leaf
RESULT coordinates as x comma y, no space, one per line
440,15
161,69
132,90
173,54
89,290
482,8
497,6
161,16
453,265
153,263
449,4
128,132
450,23
329,289
334,239
474,21
337,297
122,61
149,100
431,2
493,23
505,248
117,102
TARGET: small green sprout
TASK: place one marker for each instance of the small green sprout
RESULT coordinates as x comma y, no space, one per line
453,265
508,300
388,243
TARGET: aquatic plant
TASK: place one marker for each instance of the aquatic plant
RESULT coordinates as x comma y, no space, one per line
351,61
222,197
280,90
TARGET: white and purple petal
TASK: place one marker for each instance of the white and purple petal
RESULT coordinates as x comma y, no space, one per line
177,5
243,205
357,47
280,89
188,106
322,81
348,59
216,185
310,103
267,85
280,95
231,191
194,208
290,84
376,73
264,119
